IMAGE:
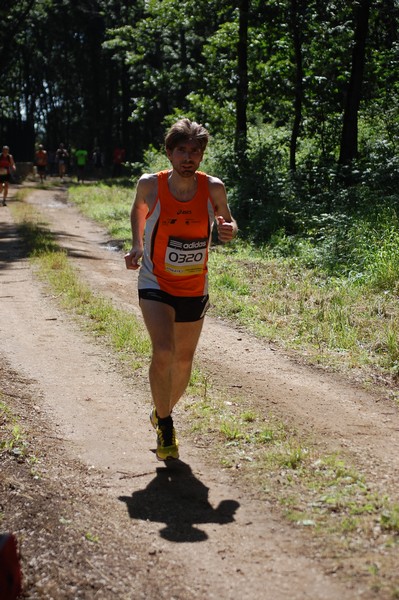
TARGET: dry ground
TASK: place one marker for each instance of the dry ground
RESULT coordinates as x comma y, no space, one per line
96,516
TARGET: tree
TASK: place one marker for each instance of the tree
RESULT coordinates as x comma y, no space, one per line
349,138
13,16
297,10
242,78
111,71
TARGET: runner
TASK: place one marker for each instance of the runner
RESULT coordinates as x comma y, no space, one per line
61,157
41,162
81,160
172,217
7,165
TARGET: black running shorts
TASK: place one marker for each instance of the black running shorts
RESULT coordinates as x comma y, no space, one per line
187,308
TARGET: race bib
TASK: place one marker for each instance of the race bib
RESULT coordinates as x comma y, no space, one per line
185,257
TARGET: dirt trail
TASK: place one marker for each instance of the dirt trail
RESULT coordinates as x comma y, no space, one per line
191,526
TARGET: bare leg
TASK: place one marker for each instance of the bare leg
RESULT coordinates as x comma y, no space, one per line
173,348
186,340
5,191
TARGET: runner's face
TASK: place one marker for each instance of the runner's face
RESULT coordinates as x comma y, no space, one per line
185,158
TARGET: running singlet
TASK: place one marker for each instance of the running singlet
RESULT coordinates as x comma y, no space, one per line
5,163
41,158
177,236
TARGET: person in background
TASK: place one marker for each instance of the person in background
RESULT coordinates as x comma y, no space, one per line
61,157
7,166
171,219
118,159
41,161
81,160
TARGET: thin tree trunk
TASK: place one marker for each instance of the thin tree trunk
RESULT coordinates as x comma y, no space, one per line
349,138
296,23
242,87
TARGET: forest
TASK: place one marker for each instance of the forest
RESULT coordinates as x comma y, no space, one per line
301,98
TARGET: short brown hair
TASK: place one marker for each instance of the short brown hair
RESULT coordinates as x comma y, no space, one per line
185,130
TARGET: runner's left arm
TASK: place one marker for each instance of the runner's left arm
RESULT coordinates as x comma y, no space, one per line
226,224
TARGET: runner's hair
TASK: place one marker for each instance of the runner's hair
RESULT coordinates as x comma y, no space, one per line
185,130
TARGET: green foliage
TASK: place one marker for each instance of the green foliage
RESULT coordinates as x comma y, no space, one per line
99,72
314,216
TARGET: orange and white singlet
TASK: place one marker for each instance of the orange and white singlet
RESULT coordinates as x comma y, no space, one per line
177,236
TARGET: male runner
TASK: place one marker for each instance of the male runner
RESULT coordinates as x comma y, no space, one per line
172,218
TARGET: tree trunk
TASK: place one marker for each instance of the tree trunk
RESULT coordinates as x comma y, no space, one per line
349,138
242,87
296,24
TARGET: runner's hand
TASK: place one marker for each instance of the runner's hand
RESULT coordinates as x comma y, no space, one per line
132,259
225,229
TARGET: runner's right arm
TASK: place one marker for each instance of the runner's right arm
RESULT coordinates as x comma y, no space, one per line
138,216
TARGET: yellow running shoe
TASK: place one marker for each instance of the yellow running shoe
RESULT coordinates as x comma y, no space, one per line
167,444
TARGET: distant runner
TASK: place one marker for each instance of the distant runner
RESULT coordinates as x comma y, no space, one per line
41,160
81,160
7,165
61,156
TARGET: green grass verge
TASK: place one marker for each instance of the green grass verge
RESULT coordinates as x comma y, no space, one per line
106,204
334,322
328,321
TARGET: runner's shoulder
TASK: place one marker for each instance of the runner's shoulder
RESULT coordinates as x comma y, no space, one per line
148,181
215,183
147,188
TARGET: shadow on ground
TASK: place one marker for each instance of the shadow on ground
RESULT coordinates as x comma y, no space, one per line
180,500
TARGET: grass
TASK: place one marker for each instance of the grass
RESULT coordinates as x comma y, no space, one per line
13,439
122,330
335,322
328,321
109,205
318,492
